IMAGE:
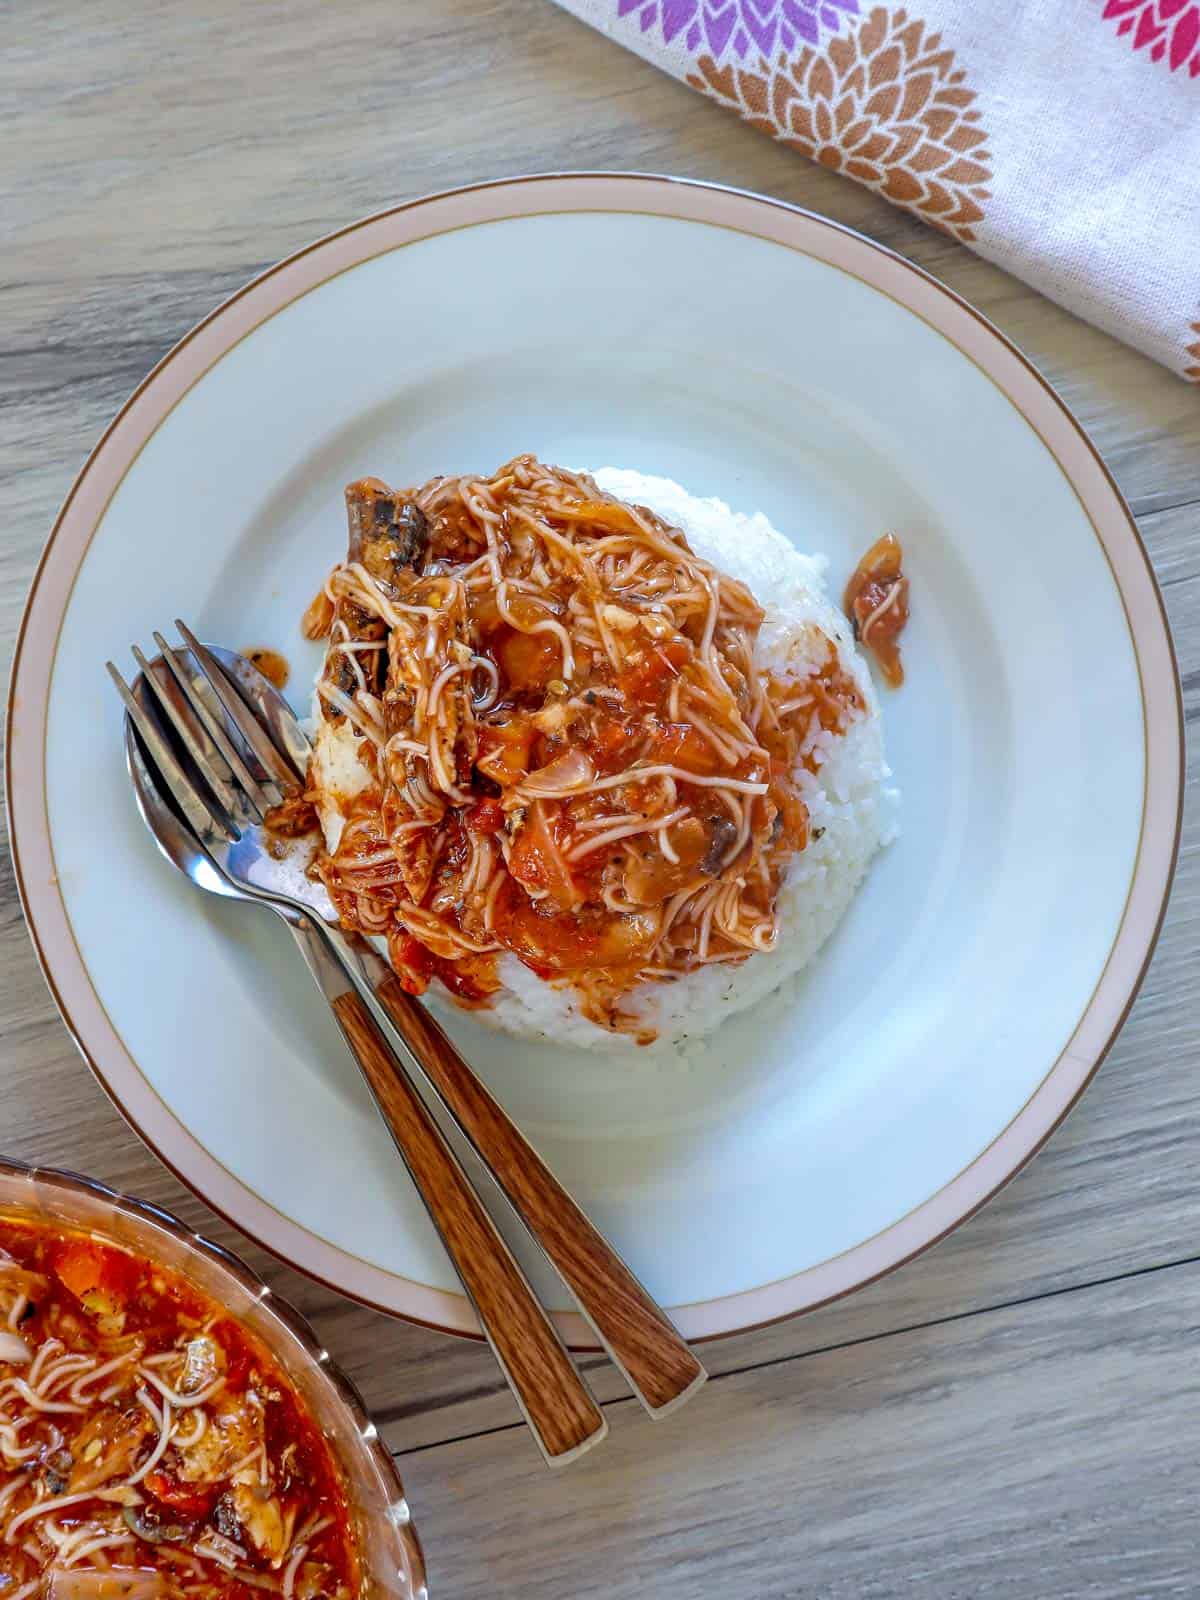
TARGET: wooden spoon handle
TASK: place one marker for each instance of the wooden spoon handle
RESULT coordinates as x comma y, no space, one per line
555,1401
658,1365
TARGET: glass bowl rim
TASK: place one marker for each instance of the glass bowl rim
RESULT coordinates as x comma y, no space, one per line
343,1391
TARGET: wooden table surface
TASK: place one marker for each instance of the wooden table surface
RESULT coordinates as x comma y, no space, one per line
1017,1412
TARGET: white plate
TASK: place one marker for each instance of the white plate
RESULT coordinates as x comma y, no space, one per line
755,353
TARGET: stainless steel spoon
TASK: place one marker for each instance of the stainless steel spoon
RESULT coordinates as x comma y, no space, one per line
554,1399
660,1368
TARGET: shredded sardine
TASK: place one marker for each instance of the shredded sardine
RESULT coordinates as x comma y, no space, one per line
575,757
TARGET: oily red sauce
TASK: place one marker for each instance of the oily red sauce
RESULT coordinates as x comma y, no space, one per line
271,664
293,818
588,887
227,1503
876,601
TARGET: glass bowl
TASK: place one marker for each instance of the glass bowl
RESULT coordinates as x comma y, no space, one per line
392,1563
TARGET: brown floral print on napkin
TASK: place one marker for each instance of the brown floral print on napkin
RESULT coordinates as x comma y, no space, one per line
1168,30
883,103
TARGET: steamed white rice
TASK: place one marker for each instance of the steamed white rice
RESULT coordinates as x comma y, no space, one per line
850,806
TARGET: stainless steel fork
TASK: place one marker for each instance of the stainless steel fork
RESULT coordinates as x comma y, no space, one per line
228,748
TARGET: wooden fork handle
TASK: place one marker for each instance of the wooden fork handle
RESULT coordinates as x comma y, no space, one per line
659,1366
553,1398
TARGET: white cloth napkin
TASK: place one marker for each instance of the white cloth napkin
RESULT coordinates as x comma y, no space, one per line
1058,138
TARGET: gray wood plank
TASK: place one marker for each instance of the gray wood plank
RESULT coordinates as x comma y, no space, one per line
1111,1193
157,157
280,130
1049,1450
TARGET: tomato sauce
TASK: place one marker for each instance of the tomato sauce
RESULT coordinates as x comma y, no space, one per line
148,1441
574,759
876,601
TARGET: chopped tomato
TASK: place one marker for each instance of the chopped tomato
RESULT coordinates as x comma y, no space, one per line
486,614
486,817
528,660
652,670
101,1279
504,749
613,744
651,877
537,859
90,1465
473,979
551,942
412,961
192,1500
677,744
84,1264
237,1359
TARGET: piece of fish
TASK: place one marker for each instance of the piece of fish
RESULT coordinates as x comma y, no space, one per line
389,533
203,1364
389,537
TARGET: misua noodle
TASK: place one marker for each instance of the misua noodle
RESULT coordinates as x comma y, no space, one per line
571,756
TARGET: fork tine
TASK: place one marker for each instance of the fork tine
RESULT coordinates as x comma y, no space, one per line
204,702
186,795
179,673
241,716
214,777
277,717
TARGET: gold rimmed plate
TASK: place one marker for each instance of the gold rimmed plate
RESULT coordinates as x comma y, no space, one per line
781,362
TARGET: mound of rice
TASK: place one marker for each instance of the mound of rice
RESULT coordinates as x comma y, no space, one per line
851,809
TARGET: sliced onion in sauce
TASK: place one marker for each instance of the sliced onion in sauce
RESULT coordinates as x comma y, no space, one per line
86,1583
575,770
14,1349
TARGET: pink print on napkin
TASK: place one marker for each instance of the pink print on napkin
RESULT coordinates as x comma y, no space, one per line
1171,28
1055,137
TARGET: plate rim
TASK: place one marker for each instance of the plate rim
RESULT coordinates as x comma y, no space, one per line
82,510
